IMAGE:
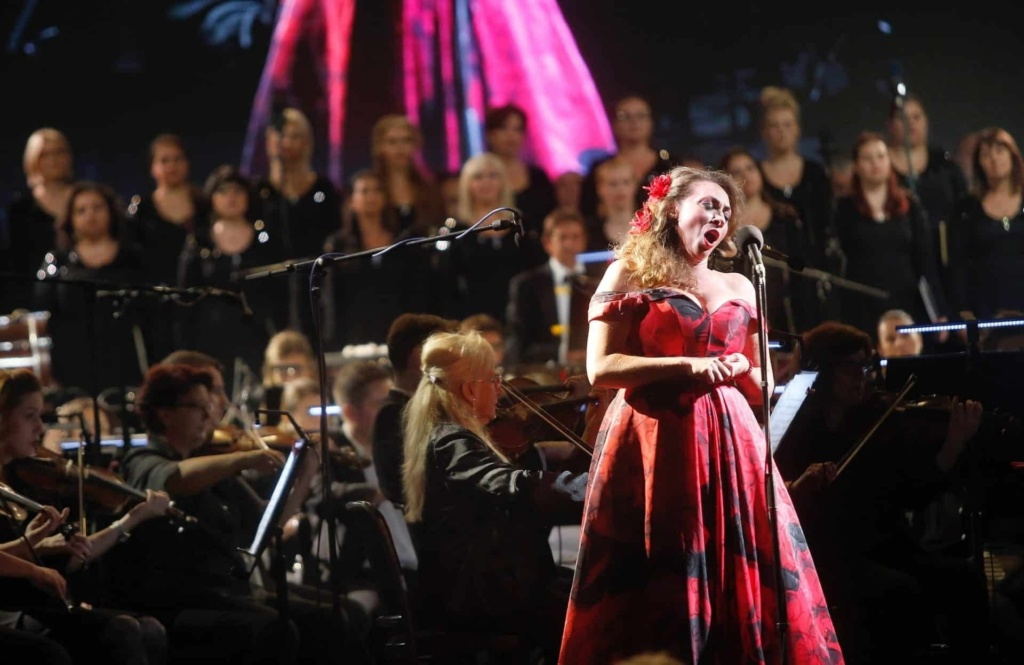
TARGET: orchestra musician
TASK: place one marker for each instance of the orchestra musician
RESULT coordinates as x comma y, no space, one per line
110,635
480,523
891,593
196,580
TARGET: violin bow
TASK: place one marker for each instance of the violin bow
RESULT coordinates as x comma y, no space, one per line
850,454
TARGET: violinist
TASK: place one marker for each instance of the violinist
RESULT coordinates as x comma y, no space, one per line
479,521
112,636
892,595
405,340
195,580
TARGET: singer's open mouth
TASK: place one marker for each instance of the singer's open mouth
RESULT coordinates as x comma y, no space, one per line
711,236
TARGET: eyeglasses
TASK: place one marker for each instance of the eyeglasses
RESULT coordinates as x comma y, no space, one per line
852,364
495,380
205,408
640,115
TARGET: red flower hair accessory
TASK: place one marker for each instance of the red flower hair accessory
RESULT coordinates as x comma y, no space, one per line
659,187
641,221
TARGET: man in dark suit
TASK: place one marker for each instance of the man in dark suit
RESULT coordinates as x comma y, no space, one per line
541,300
405,339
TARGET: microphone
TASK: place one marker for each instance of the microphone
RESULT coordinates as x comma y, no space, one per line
517,226
750,240
751,236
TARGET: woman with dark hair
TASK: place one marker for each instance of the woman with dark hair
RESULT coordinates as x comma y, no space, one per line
883,232
791,303
88,633
988,236
161,220
95,336
232,243
505,132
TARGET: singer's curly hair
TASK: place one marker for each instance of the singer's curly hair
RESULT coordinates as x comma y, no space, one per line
655,257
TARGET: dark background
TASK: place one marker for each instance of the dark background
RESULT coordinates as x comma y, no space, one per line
113,74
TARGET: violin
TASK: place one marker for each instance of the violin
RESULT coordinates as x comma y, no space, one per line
230,439
19,507
53,475
527,421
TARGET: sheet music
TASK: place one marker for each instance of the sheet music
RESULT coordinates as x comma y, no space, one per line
788,404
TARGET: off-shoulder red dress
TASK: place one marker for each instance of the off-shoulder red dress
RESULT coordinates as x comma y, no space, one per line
676,552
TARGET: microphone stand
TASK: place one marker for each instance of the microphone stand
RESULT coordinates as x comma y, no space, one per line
316,268
781,619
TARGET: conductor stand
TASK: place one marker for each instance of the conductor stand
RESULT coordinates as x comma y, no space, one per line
750,240
316,268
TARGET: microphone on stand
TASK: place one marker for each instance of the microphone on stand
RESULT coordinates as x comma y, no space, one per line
750,240
517,226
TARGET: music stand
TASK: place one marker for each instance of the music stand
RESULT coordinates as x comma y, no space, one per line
269,531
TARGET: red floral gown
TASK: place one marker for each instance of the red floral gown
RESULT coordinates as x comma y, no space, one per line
676,552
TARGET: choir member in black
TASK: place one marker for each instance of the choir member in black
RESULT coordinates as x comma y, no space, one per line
405,342
989,231
883,232
411,187
298,206
474,272
91,631
480,523
505,131
791,298
794,178
95,345
364,295
218,326
928,171
893,597
36,213
160,221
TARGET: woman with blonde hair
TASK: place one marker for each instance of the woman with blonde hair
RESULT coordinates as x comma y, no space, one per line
480,268
297,203
36,214
480,523
793,178
410,186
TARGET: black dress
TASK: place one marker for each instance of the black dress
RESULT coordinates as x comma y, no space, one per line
30,235
220,326
364,295
537,199
161,242
300,227
941,188
892,255
93,333
474,273
986,257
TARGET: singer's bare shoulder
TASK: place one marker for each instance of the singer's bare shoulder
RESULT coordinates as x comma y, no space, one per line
617,278
740,286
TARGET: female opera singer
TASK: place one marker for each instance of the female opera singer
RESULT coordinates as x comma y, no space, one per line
676,553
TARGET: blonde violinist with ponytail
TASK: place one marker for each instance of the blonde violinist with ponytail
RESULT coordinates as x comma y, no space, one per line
480,523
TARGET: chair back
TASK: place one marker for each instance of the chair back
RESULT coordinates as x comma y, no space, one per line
394,633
